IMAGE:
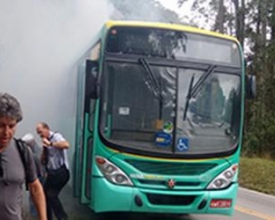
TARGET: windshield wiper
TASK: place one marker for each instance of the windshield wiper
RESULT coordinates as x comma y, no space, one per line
202,79
188,97
193,90
152,79
153,83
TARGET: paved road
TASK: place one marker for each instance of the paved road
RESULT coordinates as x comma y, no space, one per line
250,206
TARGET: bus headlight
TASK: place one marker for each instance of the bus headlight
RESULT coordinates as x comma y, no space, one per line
224,179
112,173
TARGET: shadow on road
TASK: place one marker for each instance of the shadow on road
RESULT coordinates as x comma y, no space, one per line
141,216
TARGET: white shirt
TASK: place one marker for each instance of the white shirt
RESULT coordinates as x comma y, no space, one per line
56,156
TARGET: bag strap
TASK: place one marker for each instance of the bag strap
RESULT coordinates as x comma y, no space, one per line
53,134
23,152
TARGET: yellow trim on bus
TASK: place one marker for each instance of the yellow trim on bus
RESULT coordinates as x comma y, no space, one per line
166,159
178,27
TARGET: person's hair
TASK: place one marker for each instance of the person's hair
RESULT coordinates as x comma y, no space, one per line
45,125
10,107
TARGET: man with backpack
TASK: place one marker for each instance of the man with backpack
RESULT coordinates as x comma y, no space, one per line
17,165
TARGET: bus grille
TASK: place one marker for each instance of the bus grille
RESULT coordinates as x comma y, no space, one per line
165,168
164,183
157,199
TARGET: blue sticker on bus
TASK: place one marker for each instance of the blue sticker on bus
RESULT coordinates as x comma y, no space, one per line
163,139
183,144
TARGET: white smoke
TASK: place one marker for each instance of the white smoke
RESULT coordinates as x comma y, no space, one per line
40,43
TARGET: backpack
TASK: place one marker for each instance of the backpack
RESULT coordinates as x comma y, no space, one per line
24,154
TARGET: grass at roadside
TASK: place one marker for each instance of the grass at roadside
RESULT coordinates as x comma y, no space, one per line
257,174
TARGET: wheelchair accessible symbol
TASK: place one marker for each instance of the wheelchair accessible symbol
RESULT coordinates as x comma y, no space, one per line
183,144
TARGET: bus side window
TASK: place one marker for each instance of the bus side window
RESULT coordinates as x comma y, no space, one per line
92,114
91,87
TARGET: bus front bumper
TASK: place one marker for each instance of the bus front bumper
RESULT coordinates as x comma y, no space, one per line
108,197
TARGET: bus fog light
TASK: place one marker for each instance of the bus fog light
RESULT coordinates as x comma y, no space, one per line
120,178
228,174
109,169
218,183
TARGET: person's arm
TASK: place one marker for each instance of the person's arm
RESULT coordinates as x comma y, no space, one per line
62,144
38,197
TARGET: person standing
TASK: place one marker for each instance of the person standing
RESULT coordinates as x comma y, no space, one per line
14,172
54,157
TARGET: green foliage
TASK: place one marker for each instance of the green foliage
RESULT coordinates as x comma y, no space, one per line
139,10
252,22
260,120
259,138
254,172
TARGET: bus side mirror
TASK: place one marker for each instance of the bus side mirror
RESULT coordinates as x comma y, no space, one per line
250,86
91,82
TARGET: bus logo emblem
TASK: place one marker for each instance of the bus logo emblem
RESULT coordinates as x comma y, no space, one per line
171,183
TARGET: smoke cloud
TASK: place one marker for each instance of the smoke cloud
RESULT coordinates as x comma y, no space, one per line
40,43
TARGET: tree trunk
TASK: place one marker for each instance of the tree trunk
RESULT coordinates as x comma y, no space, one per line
219,23
273,21
240,20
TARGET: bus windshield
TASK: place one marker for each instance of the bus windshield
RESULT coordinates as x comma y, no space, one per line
143,107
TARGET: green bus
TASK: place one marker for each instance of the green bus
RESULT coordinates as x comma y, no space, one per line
159,120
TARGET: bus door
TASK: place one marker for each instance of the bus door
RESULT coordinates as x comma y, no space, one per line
86,139
77,168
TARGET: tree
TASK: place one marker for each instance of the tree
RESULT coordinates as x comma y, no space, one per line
137,10
220,19
252,22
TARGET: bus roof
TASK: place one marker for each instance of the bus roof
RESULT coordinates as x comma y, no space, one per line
170,26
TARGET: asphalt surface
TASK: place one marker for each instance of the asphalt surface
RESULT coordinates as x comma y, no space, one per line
250,206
